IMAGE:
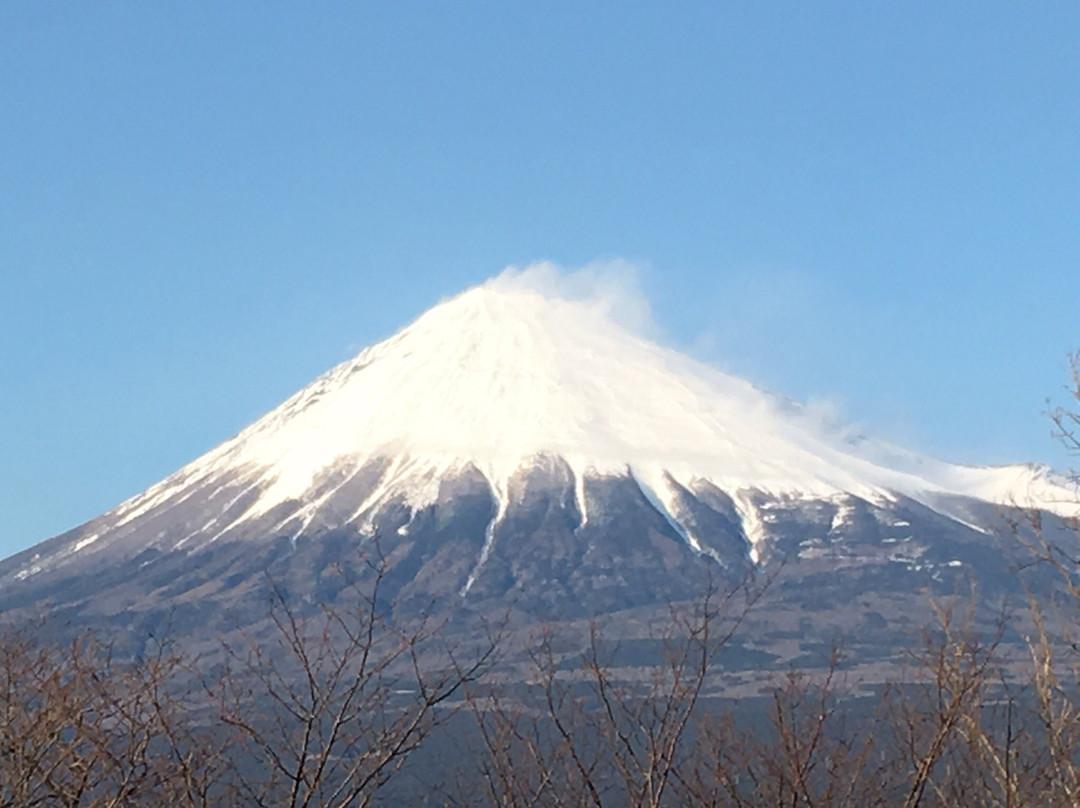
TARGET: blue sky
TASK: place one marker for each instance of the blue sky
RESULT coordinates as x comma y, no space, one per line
205,205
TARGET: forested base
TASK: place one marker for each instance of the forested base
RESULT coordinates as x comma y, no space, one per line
349,709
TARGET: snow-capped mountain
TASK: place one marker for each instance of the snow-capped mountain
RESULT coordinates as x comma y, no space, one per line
509,441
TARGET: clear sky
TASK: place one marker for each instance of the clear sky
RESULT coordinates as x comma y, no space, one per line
205,205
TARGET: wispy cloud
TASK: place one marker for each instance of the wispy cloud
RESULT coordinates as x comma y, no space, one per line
611,287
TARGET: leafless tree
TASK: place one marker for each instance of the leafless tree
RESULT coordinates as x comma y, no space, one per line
586,736
808,753
316,710
327,708
79,727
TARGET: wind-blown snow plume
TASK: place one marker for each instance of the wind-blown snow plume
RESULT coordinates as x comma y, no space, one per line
610,288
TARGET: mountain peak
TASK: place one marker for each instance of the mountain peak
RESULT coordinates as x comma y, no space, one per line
502,373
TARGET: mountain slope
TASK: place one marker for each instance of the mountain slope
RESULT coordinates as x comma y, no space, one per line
513,445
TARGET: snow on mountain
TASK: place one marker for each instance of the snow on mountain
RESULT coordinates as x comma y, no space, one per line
501,374
519,452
